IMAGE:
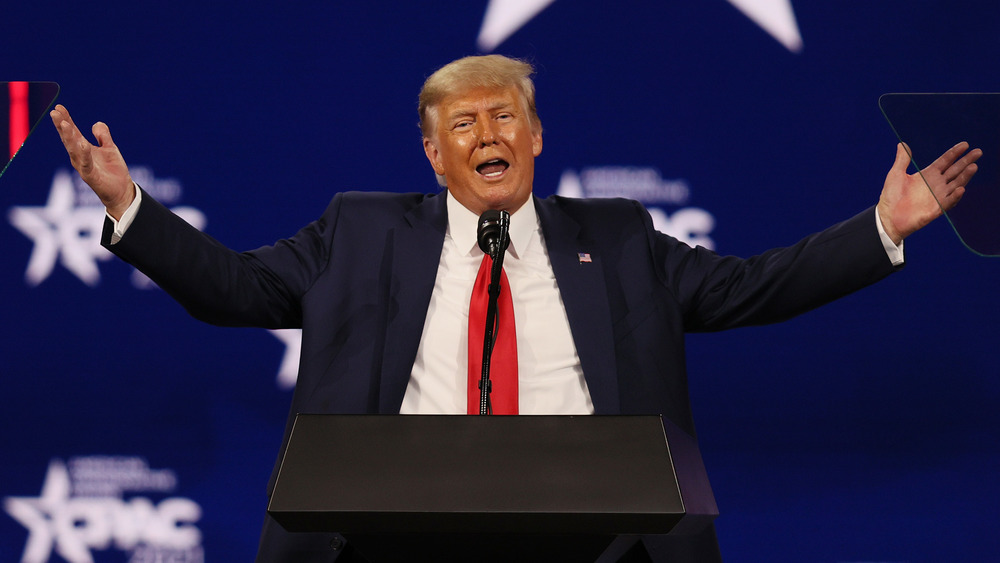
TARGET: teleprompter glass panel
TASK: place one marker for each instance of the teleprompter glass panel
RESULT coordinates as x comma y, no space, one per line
930,124
22,107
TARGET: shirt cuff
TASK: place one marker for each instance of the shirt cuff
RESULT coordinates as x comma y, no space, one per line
892,250
122,225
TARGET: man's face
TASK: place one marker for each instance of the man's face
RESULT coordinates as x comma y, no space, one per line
485,145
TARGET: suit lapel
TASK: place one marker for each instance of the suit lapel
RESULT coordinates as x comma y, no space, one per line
581,284
415,254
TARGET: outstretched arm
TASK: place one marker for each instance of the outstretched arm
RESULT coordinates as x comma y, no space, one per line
907,205
101,167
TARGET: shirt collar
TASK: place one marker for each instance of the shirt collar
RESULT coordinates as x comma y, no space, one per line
462,225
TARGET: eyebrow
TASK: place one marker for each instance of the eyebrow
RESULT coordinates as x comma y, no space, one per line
471,109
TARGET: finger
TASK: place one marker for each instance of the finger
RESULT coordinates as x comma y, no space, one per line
81,156
962,164
103,134
949,157
66,117
74,141
965,175
59,114
77,146
68,132
60,118
952,199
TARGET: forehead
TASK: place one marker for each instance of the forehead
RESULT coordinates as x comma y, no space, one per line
480,98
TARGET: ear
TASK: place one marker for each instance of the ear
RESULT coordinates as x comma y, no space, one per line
433,156
536,143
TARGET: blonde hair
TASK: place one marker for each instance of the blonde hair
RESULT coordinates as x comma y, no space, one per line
494,71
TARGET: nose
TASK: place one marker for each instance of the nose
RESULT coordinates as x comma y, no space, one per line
487,135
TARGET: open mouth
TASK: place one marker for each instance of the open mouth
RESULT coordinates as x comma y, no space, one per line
493,168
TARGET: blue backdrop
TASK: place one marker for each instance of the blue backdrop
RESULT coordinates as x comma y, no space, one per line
864,431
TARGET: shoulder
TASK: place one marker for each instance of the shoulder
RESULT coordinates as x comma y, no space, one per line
379,202
597,215
379,208
591,205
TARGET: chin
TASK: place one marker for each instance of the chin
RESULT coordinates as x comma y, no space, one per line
503,198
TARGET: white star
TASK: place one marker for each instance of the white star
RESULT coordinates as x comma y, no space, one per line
61,230
775,17
44,516
70,231
289,370
504,17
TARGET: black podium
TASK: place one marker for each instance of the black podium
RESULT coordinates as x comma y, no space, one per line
491,488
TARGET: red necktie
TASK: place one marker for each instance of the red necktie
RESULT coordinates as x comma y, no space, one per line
503,365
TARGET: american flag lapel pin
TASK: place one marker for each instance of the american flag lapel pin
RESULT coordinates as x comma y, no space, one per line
584,257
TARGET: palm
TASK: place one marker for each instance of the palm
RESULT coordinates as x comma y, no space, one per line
911,201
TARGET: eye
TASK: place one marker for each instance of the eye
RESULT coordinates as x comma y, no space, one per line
505,116
464,124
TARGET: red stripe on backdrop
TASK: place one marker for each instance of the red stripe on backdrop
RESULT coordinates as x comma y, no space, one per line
19,126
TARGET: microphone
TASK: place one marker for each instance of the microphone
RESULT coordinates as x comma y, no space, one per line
494,238
493,232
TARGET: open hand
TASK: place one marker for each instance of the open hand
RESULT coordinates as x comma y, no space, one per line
101,167
906,203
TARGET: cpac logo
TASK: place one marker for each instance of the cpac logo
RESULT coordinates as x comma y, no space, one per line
96,516
691,225
68,228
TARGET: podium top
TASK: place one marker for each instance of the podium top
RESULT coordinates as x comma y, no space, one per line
455,474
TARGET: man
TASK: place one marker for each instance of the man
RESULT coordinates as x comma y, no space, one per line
598,335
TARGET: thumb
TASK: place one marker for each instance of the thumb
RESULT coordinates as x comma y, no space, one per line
102,134
902,158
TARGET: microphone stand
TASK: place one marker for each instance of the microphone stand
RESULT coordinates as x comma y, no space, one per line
497,250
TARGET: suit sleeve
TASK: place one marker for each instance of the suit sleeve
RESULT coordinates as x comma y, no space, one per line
719,292
217,285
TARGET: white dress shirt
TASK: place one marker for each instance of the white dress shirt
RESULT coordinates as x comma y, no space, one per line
549,377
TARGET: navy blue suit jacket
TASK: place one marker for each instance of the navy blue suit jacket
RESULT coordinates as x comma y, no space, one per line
358,281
